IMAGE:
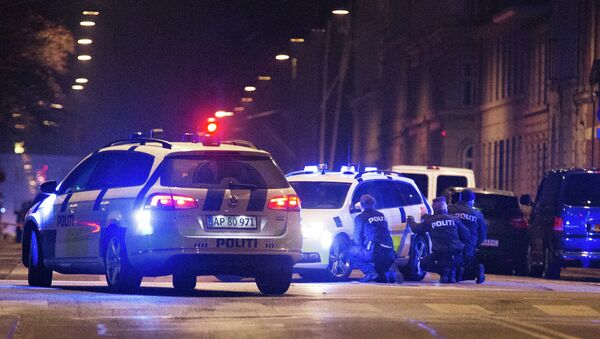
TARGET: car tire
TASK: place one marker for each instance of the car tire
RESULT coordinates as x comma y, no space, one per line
522,264
228,278
37,273
413,270
184,281
275,281
339,267
121,277
551,267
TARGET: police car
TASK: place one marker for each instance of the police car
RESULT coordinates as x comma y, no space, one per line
329,206
148,207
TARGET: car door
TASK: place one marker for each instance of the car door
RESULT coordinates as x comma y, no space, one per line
376,188
73,197
542,216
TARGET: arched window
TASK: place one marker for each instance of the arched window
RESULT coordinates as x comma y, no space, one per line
467,157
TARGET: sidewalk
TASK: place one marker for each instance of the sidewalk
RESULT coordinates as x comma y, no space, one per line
10,257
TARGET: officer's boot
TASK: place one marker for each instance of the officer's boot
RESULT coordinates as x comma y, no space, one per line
445,275
480,274
459,274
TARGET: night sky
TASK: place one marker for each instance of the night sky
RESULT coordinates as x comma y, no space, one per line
171,64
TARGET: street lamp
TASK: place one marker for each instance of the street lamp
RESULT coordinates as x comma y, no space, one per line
94,13
264,78
84,41
81,80
249,88
222,114
297,40
246,99
282,56
84,57
87,23
77,87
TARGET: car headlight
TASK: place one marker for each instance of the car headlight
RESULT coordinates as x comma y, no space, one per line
312,230
326,239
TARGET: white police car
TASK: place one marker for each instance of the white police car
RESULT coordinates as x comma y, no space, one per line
328,210
148,207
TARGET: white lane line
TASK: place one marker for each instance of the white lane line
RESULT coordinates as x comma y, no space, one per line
101,329
568,310
458,309
539,329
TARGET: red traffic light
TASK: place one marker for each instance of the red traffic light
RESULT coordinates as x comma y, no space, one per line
211,125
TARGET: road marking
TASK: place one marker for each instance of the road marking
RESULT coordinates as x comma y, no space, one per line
543,331
568,310
458,309
101,329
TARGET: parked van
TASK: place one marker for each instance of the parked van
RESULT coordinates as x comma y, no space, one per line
433,180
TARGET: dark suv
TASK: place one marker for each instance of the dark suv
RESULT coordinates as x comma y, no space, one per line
504,250
565,222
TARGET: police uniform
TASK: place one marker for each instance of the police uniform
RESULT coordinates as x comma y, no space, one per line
475,222
448,235
373,252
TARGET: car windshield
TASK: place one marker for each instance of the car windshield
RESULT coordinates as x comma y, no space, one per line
222,172
582,190
321,195
497,206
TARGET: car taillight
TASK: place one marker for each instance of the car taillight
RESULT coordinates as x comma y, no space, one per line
170,201
519,223
558,224
289,202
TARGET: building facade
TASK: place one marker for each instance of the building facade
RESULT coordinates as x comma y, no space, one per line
497,86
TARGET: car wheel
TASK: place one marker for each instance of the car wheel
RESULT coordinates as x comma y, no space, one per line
228,278
418,250
340,266
551,267
37,273
522,264
120,275
184,281
275,281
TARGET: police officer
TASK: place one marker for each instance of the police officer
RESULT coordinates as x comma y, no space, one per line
373,250
447,235
475,222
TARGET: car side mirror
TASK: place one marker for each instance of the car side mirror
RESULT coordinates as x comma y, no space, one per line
525,199
49,187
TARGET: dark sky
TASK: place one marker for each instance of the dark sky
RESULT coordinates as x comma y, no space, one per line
171,64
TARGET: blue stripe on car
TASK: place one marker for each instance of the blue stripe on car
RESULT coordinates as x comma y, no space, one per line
99,199
63,208
139,200
402,214
338,222
258,198
214,200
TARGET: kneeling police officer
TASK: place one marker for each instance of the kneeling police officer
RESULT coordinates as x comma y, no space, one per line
448,236
475,222
373,250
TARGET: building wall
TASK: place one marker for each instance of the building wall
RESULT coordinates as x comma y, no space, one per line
507,78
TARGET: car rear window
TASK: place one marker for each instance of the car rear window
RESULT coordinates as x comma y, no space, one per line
445,181
321,195
582,190
497,206
222,172
421,180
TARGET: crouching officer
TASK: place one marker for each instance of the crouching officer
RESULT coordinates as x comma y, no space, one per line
373,250
447,235
475,222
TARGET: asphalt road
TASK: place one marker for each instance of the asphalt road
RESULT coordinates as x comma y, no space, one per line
504,307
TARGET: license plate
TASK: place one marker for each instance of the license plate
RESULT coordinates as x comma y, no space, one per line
490,243
232,221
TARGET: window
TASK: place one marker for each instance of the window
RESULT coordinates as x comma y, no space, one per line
445,181
223,172
388,193
467,157
467,85
78,179
582,190
321,195
421,180
121,169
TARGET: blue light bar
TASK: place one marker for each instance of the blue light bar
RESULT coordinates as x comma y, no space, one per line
311,169
348,169
369,169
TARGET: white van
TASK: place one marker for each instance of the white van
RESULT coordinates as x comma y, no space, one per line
433,180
